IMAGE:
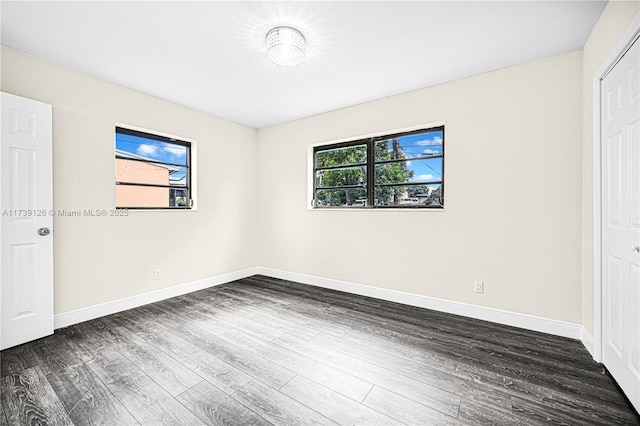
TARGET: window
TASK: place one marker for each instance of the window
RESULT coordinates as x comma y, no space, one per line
403,170
152,171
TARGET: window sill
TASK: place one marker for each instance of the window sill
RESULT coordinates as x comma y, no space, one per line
384,209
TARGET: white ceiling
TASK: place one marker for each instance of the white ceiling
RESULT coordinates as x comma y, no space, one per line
210,55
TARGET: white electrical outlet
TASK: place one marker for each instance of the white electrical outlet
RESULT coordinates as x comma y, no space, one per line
478,286
157,273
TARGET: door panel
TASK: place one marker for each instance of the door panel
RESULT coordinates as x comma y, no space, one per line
634,300
22,281
614,171
21,182
25,203
614,325
620,118
634,147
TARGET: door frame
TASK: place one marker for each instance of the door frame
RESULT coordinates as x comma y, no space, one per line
631,34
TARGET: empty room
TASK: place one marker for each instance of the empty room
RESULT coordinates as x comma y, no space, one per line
320,212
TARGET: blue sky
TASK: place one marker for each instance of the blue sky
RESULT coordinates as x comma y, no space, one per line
153,149
420,145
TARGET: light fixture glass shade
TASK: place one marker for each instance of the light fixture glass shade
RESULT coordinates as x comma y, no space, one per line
285,46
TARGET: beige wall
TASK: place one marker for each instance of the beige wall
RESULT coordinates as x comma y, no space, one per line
512,193
109,258
613,22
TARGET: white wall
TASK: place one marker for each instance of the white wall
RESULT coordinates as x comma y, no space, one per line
614,20
105,259
512,192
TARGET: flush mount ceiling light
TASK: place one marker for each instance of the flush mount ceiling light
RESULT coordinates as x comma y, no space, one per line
285,46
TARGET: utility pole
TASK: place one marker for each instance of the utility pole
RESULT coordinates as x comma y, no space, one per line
396,148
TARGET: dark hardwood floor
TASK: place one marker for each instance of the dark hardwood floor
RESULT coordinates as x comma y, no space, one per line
263,351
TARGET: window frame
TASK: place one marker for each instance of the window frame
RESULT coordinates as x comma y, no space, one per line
190,166
370,167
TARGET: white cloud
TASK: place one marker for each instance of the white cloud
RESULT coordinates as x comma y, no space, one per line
149,150
430,142
430,151
422,177
177,151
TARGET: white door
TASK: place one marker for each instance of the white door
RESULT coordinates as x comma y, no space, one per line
26,242
620,94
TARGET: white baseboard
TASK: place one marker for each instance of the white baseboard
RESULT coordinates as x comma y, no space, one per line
587,340
529,322
85,314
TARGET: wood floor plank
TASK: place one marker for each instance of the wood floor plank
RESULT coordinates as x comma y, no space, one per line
267,318
215,408
276,407
174,377
79,340
405,410
86,399
512,365
260,298
260,314
157,335
84,339
171,344
29,399
531,385
441,375
399,349
17,359
330,377
284,311
111,365
149,403
409,387
254,365
53,353
475,413
433,397
3,418
231,316
483,386
568,412
222,375
351,315
332,405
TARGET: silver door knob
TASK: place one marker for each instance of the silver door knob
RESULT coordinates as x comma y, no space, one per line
635,248
43,232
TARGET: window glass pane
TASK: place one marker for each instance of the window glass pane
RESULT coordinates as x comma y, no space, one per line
178,177
178,198
149,162
341,156
141,172
405,195
141,196
351,197
423,170
150,149
342,177
410,146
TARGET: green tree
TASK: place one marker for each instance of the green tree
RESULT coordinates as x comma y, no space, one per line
341,177
356,175
391,172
